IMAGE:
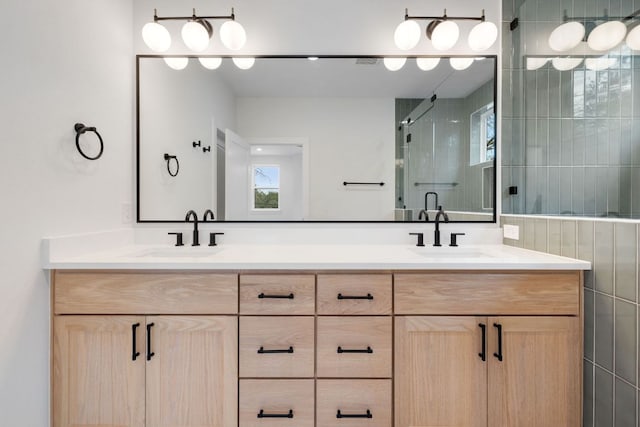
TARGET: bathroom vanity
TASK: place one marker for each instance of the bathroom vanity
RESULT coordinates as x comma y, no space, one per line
416,340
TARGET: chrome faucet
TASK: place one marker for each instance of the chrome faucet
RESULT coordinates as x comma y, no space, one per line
196,233
436,233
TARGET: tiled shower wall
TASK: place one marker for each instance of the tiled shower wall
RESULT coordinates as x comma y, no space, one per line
570,139
611,289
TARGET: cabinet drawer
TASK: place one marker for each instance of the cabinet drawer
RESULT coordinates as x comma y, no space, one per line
554,293
277,346
354,347
355,399
354,294
277,294
145,293
276,397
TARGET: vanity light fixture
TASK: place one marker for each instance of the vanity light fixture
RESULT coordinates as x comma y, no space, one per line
460,63
394,64
196,32
444,32
177,63
210,63
426,64
602,32
312,58
244,63
534,63
633,38
565,64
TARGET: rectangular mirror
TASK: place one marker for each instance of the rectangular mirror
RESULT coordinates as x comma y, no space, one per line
309,139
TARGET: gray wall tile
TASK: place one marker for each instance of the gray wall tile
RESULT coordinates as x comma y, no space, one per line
625,405
603,257
585,246
625,340
568,238
587,386
554,230
603,351
540,230
626,260
603,398
589,324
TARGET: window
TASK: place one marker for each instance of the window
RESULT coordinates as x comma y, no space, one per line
483,135
266,187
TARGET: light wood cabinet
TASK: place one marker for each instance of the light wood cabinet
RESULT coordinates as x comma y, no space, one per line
530,375
411,349
96,382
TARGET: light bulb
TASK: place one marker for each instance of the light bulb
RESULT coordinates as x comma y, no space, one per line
607,36
210,63
244,63
483,36
426,64
394,64
460,63
195,36
233,35
177,63
407,34
565,64
444,35
633,38
156,37
566,36
535,63
597,64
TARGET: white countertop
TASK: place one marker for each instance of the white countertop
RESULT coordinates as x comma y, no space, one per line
311,257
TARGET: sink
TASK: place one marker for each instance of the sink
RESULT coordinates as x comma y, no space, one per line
449,252
177,252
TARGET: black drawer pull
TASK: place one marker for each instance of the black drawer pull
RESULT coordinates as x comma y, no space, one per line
150,353
483,353
368,296
366,350
261,350
134,346
498,355
367,415
289,414
262,295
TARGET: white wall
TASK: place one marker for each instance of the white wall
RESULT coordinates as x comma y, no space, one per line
177,108
63,62
340,149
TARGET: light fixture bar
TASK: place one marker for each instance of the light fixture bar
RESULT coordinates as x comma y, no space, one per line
194,17
444,17
634,15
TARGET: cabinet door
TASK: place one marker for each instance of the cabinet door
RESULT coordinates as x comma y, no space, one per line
440,378
192,376
96,382
537,383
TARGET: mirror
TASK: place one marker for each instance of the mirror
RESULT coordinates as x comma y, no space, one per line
316,139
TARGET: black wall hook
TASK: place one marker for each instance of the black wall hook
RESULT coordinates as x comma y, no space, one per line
80,129
206,149
196,144
168,158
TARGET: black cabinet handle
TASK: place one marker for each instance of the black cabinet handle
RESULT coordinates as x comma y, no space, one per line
262,295
368,414
134,347
150,354
261,350
366,350
368,296
289,414
483,353
498,355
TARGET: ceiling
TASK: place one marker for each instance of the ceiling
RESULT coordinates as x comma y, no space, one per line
343,77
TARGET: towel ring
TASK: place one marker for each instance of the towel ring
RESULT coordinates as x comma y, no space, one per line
168,158
80,129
